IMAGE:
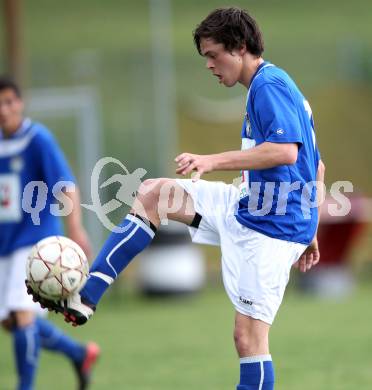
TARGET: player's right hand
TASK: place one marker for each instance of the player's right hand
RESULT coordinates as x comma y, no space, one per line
188,162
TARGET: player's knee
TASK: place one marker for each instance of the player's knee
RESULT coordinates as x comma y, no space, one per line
248,342
241,339
22,318
7,324
149,192
17,319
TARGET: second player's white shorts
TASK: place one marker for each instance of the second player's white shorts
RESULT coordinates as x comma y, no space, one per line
255,267
13,292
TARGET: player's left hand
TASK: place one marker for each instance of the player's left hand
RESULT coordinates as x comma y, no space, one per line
188,162
309,258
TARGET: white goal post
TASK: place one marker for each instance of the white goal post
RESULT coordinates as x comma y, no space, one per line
83,105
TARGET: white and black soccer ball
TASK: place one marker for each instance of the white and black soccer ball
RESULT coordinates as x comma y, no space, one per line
56,267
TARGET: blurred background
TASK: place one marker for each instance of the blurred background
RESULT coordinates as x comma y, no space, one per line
123,79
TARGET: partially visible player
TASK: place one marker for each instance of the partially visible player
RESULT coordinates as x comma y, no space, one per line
29,153
264,227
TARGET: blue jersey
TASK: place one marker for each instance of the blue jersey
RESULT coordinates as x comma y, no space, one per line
30,154
279,201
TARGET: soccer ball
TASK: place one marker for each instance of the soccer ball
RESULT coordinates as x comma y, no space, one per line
56,267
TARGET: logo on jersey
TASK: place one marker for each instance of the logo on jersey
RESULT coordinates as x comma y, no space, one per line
280,132
4,195
10,195
248,128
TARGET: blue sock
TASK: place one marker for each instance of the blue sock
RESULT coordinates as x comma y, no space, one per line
26,347
117,252
256,373
53,339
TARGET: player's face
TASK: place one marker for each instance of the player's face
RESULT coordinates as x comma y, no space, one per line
11,110
226,65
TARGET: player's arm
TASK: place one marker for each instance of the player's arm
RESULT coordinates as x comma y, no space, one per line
264,156
278,123
311,256
74,225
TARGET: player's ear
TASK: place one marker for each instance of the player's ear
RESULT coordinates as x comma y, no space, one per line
243,49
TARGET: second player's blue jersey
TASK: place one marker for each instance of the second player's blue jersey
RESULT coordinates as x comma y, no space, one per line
31,154
279,202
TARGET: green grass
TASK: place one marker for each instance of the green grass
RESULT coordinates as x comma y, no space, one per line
187,344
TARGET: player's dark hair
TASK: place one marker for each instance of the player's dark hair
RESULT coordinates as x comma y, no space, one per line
9,83
233,27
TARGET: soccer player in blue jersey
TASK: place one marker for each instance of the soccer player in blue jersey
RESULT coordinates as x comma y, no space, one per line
265,226
29,153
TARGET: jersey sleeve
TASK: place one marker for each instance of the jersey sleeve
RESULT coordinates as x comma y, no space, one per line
277,114
54,165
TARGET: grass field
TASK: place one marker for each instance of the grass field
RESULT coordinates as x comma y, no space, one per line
186,344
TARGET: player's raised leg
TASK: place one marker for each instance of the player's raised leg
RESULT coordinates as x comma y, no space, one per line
157,199
252,344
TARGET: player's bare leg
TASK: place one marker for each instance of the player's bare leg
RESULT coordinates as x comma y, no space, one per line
24,317
251,336
21,318
158,198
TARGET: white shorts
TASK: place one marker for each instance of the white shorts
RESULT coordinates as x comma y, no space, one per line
13,292
255,267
